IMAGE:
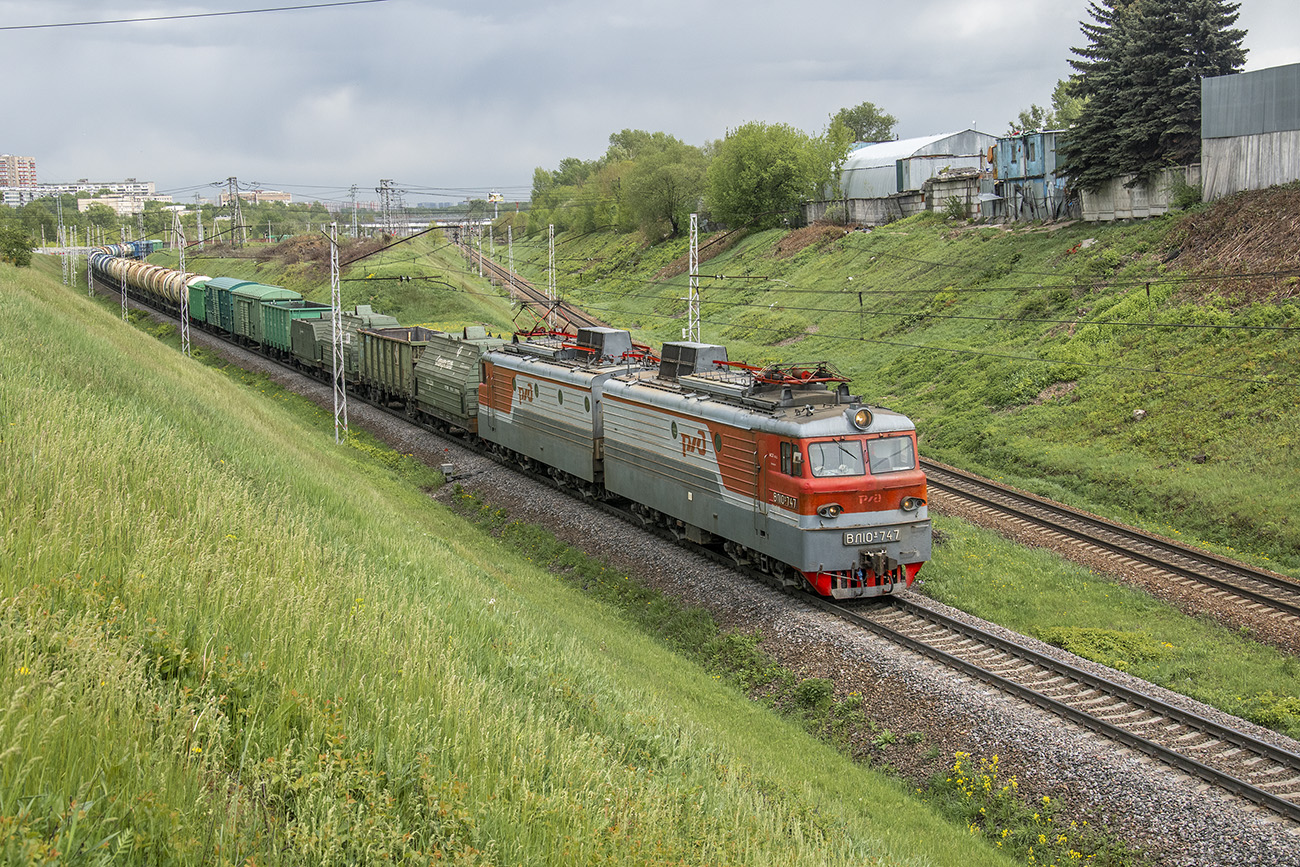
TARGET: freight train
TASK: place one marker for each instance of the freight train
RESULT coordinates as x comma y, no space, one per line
779,466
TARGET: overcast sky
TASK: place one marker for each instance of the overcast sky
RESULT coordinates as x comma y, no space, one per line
456,99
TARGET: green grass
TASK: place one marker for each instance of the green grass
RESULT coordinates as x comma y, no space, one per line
223,638
1022,825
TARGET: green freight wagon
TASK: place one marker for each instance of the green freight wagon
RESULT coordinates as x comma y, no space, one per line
310,343
447,376
198,301
218,305
248,302
278,316
388,357
360,316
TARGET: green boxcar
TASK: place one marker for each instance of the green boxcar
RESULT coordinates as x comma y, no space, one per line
278,316
198,302
388,357
248,301
447,376
219,306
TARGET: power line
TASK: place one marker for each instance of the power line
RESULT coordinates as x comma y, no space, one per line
191,15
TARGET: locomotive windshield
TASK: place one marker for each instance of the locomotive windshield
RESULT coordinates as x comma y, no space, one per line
891,455
844,457
839,458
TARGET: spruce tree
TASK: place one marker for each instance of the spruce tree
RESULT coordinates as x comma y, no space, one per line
1141,72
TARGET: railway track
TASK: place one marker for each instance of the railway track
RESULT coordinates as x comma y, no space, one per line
1265,775
1264,591
566,315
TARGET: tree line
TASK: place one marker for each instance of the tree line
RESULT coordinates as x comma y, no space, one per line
756,176
1132,106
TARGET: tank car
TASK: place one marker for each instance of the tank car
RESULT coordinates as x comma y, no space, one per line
164,287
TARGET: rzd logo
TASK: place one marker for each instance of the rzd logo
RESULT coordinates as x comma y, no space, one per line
699,445
525,393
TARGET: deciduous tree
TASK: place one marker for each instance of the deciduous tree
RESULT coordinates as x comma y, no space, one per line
15,245
868,122
1063,113
664,185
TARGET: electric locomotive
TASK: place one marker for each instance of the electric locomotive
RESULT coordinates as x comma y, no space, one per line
780,465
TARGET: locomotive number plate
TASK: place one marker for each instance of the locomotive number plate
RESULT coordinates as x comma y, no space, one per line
872,537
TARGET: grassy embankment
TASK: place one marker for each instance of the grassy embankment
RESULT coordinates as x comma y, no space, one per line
225,639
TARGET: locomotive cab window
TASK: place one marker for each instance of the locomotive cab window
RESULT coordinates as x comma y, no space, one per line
836,458
891,454
791,460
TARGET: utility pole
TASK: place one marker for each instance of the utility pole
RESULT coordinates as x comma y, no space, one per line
340,393
386,205
550,283
355,233
510,244
198,216
179,229
693,305
237,227
62,243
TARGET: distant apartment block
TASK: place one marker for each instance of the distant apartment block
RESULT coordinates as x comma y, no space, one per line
125,197
17,171
256,196
127,188
17,180
125,206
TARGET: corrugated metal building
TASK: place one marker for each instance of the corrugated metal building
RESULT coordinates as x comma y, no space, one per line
886,168
1250,130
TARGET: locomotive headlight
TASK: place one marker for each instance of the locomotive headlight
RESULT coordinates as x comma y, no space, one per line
862,419
911,504
831,510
